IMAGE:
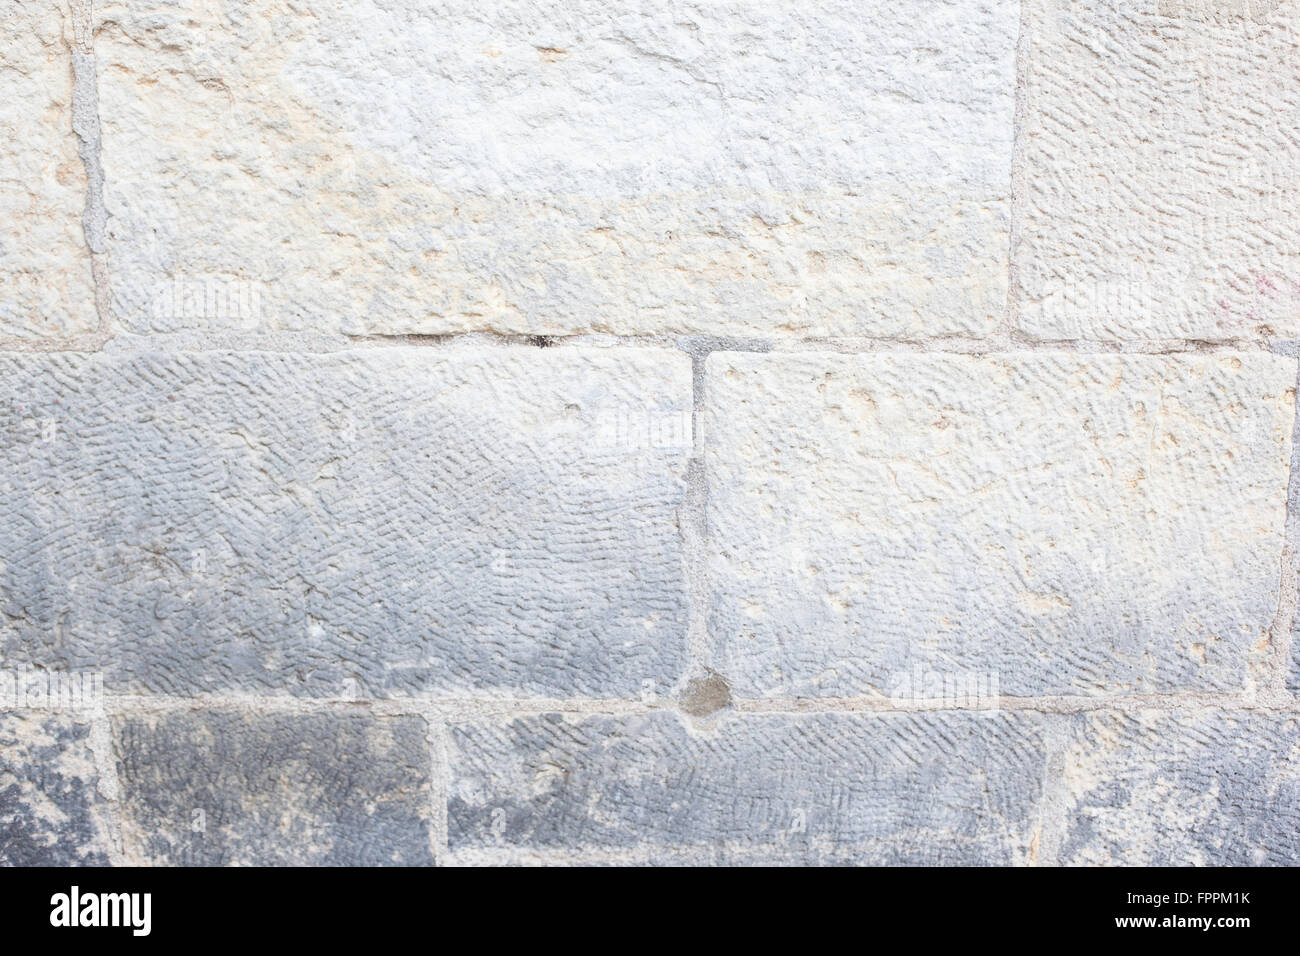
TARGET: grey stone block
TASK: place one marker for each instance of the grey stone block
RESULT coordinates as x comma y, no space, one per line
222,788
831,788
393,521
51,810
1051,523
1202,788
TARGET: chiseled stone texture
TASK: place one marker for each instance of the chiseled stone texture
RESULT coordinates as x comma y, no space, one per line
387,521
1161,143
1187,788
1063,524
924,788
835,167
45,279
221,788
51,810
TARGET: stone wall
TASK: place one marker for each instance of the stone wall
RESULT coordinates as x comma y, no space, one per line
655,431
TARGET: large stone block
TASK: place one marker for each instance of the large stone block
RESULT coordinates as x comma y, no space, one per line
837,167
1042,523
51,810
831,788
389,521
1159,156
219,788
1199,788
46,287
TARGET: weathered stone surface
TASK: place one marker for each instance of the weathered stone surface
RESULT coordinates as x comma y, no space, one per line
829,788
50,805
45,280
1060,524
837,167
1160,151
325,789
1194,788
388,521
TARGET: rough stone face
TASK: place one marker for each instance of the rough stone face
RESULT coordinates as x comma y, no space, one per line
1160,150
827,788
232,789
837,167
1048,523
45,279
388,521
50,805
1195,788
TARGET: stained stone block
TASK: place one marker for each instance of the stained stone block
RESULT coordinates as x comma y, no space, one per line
1185,788
220,788
46,287
52,812
830,168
